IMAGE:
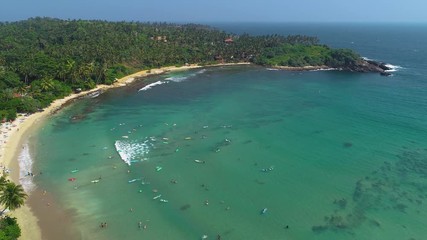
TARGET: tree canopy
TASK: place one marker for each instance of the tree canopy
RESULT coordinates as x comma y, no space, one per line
42,59
12,196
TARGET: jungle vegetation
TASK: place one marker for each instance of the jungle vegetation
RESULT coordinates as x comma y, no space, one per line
42,59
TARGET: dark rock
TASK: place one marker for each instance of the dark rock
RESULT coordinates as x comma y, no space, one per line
379,64
368,66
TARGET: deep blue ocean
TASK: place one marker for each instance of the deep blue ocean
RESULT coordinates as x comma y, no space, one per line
247,152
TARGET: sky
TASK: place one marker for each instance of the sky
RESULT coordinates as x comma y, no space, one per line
200,11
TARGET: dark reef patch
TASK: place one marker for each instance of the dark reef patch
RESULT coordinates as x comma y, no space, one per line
396,185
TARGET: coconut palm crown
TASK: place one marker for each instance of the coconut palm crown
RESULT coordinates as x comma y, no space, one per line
12,196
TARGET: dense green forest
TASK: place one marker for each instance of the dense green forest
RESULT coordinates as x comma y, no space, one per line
42,59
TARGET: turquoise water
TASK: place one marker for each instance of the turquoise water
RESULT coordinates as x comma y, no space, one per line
331,155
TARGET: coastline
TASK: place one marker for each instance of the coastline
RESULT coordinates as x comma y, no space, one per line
15,133
304,68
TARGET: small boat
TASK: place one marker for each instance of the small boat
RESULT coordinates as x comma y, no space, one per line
95,181
267,169
188,138
163,200
74,171
72,179
199,161
125,136
134,180
264,211
154,198
158,168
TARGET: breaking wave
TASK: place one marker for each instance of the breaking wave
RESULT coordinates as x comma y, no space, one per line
25,169
324,69
172,79
393,68
151,85
131,151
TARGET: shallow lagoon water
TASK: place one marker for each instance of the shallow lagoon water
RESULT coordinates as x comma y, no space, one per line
331,155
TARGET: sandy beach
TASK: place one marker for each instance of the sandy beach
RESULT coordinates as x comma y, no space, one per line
15,133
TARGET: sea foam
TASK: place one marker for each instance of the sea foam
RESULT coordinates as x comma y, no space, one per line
172,79
131,151
151,85
324,69
393,68
25,169
183,78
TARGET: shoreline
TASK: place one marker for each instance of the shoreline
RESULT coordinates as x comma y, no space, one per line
304,68
14,134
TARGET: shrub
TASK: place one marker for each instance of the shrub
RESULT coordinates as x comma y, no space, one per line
9,229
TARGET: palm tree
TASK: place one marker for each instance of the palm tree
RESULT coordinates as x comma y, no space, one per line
46,84
12,196
3,183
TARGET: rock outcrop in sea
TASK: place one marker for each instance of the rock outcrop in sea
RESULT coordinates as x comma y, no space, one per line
365,65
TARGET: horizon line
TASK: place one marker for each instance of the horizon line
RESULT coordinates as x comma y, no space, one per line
224,21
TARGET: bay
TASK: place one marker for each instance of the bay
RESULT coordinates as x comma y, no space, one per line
330,155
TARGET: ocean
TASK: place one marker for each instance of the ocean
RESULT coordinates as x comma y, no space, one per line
247,152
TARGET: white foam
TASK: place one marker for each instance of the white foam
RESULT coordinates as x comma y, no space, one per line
324,69
393,68
201,71
151,85
130,151
183,78
172,79
25,167
176,79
